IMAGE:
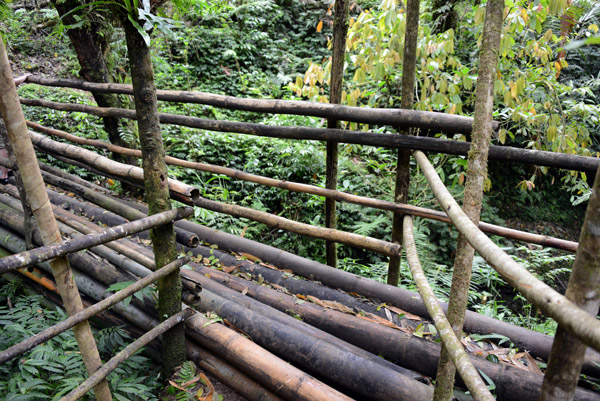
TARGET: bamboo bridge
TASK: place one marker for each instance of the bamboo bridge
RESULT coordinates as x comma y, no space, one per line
343,347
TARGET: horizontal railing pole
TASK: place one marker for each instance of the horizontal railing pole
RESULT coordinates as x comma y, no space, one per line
360,241
131,349
455,349
502,153
48,252
582,324
314,190
85,314
426,120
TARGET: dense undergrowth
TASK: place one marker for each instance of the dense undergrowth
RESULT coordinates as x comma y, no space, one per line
269,49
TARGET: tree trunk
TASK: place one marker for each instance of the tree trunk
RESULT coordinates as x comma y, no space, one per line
157,192
403,164
340,31
443,15
476,175
568,353
91,43
10,111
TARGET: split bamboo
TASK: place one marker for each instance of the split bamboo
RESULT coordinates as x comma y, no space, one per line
503,153
452,344
578,322
10,111
305,188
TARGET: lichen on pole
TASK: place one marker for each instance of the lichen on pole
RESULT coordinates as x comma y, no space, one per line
10,111
157,189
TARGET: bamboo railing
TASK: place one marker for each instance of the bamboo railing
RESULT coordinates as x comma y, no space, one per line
581,323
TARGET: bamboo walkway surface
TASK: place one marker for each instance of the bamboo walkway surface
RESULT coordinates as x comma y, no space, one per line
264,308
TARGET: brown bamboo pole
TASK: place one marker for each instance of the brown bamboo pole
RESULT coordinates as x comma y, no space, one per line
409,64
503,153
229,375
87,313
438,122
360,241
537,344
568,353
105,164
286,380
10,111
578,322
305,188
122,356
48,252
334,363
473,194
459,357
340,32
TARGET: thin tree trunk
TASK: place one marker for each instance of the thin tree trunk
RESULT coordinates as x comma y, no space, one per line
340,31
568,353
476,175
403,164
157,192
10,111
91,43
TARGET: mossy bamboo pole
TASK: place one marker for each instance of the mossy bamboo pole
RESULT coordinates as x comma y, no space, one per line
503,153
299,187
568,353
123,355
10,111
409,63
438,122
87,313
577,321
473,195
452,344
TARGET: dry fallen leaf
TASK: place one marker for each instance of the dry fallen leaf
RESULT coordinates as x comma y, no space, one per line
250,257
406,314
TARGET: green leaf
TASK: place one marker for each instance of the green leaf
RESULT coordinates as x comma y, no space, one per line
140,30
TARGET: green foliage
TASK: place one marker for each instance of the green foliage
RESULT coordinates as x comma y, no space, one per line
55,367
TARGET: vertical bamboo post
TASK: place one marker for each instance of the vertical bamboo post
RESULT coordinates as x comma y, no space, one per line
340,31
10,111
403,164
568,353
157,192
476,175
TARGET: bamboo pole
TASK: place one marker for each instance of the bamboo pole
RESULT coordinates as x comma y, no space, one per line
334,363
452,344
87,313
48,252
129,351
438,122
409,63
105,164
10,111
502,153
286,380
360,241
578,322
537,344
510,233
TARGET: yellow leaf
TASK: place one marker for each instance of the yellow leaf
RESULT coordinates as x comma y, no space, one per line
593,28
319,26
